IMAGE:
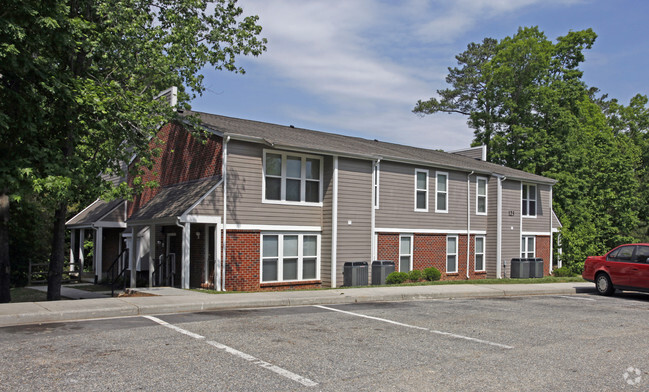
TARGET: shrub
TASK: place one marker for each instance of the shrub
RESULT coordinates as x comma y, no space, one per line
415,275
563,271
432,274
396,277
577,268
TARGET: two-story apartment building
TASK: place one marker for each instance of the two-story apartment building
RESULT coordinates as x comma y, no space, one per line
260,206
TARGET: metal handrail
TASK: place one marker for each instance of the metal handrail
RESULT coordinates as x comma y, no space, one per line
111,272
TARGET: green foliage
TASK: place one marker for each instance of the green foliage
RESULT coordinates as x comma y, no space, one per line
432,274
415,275
525,99
396,277
562,272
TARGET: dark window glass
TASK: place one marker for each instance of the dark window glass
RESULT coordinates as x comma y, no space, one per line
273,188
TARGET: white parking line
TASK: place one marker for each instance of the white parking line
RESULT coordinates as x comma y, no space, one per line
282,372
452,335
575,297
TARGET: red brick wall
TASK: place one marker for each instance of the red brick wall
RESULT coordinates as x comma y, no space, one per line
543,251
429,250
242,261
182,158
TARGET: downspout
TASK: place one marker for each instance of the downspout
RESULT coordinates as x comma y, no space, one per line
334,224
224,167
499,226
373,251
468,221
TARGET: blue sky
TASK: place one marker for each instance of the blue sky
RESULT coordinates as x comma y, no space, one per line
358,67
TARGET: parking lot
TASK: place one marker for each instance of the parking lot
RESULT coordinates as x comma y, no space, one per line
578,342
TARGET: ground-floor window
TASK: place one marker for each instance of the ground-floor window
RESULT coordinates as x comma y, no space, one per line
405,253
451,254
527,246
288,257
479,253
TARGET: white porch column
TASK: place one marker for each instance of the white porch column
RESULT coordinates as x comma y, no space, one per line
73,250
134,255
217,257
82,236
99,254
184,273
152,244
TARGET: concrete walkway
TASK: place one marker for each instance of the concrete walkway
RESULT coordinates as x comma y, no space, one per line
170,300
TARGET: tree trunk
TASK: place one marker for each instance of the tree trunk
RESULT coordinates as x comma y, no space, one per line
5,271
55,274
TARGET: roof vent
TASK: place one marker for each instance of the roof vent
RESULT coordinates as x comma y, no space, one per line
376,140
291,126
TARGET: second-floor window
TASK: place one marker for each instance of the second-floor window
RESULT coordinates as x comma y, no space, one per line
441,192
421,190
292,177
529,200
481,196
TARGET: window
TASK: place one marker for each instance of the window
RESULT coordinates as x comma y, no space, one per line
529,200
292,177
441,193
623,253
641,254
451,254
376,185
527,247
421,190
481,196
479,254
405,253
287,257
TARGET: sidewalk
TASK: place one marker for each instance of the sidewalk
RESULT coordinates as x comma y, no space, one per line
170,300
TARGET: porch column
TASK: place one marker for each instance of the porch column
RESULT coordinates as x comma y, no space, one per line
152,244
73,250
184,273
217,257
82,237
134,255
99,253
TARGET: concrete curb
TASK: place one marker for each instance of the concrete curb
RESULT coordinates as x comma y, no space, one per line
13,314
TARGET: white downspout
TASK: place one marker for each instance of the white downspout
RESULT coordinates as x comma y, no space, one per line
499,226
224,167
373,243
468,221
551,234
334,224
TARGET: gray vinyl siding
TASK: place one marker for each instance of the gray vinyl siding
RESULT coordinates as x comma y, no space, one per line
491,245
212,204
354,205
244,187
327,207
116,215
397,200
511,235
541,223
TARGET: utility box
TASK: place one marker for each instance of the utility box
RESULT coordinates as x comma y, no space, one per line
536,267
380,270
355,273
520,268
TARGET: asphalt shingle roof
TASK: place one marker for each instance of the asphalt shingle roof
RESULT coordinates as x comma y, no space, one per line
330,143
94,212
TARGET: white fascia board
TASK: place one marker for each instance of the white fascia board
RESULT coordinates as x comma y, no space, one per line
535,233
426,231
238,226
120,225
147,222
200,219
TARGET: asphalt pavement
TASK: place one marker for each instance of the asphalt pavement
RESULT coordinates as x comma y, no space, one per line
166,300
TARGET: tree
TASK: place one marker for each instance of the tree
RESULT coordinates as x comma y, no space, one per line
526,101
90,70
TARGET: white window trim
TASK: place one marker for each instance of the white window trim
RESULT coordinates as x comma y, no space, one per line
437,192
457,261
283,177
377,175
536,201
417,171
412,240
524,248
484,253
477,195
280,256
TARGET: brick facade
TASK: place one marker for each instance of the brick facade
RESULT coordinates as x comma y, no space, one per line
183,157
543,251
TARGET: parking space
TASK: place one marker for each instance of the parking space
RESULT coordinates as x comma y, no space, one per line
580,342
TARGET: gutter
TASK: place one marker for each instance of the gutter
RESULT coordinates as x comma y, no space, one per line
468,221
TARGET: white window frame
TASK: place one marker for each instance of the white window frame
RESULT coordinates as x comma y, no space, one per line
528,200
283,177
438,192
417,190
483,253
455,253
478,195
525,251
377,172
280,256
409,254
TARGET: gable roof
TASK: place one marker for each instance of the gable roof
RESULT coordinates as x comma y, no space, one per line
289,137
174,200
94,212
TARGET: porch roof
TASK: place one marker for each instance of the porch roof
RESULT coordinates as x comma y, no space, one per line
174,200
94,212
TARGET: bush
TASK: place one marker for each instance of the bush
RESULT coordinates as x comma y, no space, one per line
415,275
577,268
396,277
432,274
563,271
